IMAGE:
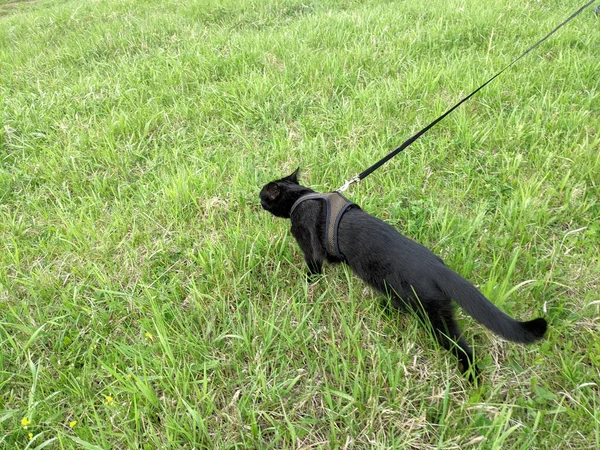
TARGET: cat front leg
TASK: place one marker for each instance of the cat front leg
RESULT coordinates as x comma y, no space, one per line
313,260
314,255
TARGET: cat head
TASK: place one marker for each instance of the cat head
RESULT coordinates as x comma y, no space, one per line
278,196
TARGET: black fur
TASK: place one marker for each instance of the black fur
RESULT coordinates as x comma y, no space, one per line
408,272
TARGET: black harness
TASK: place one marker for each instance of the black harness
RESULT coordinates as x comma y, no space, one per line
336,205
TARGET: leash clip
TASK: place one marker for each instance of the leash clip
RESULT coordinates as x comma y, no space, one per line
348,183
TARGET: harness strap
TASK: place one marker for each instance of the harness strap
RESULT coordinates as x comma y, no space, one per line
335,207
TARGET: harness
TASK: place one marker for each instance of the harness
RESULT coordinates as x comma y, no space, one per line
336,205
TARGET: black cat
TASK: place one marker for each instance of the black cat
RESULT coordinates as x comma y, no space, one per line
411,275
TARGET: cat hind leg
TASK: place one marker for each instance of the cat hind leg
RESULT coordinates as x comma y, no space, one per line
448,334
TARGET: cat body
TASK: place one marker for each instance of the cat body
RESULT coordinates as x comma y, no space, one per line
410,274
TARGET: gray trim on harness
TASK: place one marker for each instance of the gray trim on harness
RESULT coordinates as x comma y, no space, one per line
336,205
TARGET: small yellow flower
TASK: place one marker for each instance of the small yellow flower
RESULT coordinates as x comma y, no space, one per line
129,376
149,336
108,400
72,423
24,422
30,436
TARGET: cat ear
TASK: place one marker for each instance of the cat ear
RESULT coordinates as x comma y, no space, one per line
294,176
273,191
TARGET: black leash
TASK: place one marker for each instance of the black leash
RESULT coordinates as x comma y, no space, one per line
412,139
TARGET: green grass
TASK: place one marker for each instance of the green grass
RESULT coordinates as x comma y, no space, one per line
145,295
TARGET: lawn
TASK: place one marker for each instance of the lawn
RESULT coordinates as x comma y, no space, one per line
146,299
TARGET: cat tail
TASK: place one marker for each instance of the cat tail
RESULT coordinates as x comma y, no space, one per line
486,313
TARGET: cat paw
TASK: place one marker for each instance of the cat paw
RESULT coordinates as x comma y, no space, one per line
472,374
313,277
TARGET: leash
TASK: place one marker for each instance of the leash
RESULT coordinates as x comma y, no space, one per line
409,141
